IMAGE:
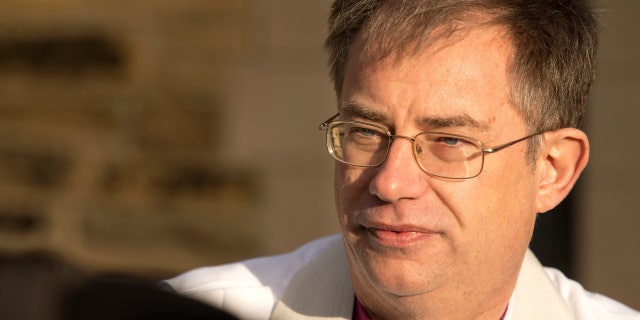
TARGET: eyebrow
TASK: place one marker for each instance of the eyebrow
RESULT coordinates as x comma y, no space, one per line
457,121
431,122
358,111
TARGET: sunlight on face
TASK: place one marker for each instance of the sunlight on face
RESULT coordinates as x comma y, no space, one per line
410,234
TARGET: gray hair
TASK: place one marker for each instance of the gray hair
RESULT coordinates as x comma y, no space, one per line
555,45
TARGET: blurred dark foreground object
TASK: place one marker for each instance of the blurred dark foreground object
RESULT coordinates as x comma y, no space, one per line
41,286
32,284
128,299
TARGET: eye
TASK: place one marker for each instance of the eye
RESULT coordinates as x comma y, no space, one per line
445,141
366,132
451,141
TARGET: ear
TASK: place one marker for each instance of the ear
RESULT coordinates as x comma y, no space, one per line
564,153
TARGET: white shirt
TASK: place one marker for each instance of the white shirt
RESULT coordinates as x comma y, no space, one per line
251,289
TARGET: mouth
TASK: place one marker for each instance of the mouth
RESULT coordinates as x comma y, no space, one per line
398,236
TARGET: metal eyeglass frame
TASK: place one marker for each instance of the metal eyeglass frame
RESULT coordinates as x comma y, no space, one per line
324,126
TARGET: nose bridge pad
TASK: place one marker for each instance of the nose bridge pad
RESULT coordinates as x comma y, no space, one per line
417,154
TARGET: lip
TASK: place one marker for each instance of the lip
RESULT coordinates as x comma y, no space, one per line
398,236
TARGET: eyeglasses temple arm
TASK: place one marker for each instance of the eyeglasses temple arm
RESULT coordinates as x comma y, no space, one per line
508,144
325,124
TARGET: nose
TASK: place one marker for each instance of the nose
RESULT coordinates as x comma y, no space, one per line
400,176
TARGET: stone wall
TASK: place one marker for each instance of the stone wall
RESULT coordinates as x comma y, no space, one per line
140,135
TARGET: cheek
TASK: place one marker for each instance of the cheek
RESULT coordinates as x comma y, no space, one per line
350,184
506,203
341,191
495,204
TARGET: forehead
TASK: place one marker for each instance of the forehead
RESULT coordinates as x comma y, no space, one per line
464,74
486,41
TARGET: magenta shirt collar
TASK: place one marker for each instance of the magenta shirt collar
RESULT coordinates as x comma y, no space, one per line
358,311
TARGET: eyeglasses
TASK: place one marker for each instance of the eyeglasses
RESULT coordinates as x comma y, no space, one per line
438,154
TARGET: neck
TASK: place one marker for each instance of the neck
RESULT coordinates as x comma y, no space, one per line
438,304
407,308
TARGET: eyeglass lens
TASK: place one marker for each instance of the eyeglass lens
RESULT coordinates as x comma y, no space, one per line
438,154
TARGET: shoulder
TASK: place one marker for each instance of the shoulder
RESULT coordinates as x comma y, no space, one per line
588,305
249,288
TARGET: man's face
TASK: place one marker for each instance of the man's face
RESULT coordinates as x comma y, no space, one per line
408,233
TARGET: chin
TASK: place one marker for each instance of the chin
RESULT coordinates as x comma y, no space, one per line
403,283
394,274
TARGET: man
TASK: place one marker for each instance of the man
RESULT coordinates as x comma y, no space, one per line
456,126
